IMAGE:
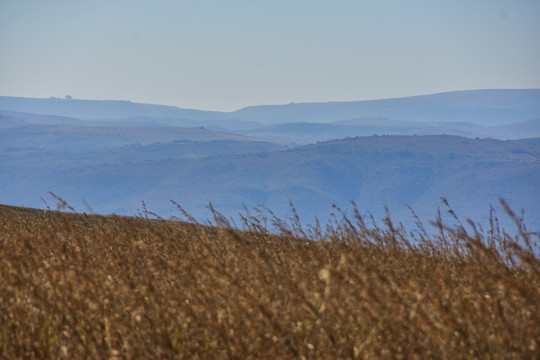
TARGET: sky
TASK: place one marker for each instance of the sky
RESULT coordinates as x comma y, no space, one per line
228,54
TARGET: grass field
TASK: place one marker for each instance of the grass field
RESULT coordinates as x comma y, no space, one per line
80,286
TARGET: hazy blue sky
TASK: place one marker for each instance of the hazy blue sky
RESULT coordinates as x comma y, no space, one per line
226,54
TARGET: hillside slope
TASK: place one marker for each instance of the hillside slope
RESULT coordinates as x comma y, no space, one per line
77,286
308,133
372,171
480,107
86,138
99,109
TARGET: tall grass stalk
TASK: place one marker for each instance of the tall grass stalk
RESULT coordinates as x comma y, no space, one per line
88,286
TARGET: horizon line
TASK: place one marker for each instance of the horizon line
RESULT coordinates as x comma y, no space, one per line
70,98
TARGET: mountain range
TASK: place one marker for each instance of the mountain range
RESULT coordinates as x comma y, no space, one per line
480,107
112,155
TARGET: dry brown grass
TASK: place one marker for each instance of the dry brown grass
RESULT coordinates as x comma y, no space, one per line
77,286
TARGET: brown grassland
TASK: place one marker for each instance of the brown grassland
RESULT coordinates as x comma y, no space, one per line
88,286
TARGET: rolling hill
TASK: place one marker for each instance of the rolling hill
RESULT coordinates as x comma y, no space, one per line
479,107
84,286
113,154
307,133
99,109
372,171
86,138
17,119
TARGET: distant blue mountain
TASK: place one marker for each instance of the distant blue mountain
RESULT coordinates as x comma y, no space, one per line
65,138
116,153
373,171
479,107
100,109
533,141
306,133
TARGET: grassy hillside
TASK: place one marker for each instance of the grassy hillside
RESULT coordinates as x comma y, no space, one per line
77,286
